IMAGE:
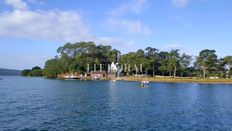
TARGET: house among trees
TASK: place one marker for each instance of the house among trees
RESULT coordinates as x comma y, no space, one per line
96,74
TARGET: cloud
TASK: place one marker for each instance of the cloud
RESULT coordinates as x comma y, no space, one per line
135,6
131,26
180,3
58,25
49,25
17,4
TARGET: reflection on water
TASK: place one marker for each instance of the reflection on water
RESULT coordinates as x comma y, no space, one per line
46,104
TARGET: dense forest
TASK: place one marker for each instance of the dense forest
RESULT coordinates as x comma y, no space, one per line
75,57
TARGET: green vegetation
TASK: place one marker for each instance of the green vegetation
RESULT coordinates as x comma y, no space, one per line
73,58
34,72
207,61
25,72
179,80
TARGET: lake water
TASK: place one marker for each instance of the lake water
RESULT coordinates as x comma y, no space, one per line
47,104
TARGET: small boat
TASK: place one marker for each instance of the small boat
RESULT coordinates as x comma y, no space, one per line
144,83
95,78
73,77
70,77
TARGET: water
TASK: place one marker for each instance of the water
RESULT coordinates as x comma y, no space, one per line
46,104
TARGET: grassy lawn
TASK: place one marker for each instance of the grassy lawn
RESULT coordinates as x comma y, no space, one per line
178,79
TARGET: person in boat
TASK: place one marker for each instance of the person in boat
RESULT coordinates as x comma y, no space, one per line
144,83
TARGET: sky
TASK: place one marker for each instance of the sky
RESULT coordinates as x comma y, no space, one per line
32,30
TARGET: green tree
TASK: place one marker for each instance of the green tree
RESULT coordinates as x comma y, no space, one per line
152,56
36,68
185,61
221,68
75,57
25,72
206,60
129,58
173,59
36,73
228,63
163,61
52,68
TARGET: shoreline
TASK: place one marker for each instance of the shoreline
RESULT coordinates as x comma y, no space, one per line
165,79
175,80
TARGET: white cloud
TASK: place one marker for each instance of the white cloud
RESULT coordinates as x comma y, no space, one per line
135,6
17,4
180,3
131,26
51,25
116,21
65,26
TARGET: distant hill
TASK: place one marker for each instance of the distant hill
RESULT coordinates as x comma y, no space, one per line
10,72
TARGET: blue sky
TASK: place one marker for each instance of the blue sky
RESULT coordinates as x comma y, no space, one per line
32,30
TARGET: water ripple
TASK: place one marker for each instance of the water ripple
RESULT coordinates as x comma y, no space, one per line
101,105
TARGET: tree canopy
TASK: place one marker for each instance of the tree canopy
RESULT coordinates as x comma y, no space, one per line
207,60
74,58
35,72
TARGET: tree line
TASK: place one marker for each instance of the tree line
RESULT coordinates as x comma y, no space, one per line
74,57
34,72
